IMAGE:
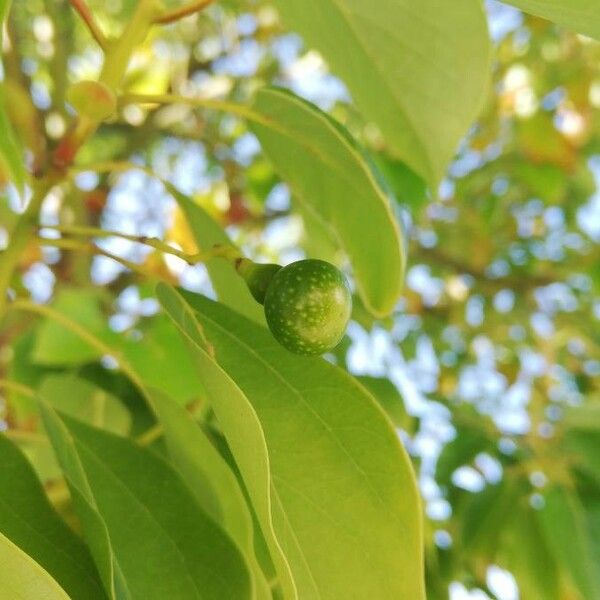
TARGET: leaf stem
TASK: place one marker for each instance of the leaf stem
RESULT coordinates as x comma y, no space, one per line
88,18
117,58
89,247
181,12
150,435
221,105
221,251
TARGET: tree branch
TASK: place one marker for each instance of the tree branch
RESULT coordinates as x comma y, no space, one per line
241,110
217,251
86,14
181,12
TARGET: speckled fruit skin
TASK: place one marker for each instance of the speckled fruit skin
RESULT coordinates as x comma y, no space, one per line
307,306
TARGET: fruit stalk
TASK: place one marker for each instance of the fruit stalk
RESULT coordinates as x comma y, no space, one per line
258,277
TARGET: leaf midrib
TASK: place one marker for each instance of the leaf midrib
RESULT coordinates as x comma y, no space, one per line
18,517
362,473
298,546
382,76
110,473
139,501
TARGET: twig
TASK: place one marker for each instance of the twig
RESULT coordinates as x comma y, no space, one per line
233,108
151,434
181,12
86,14
91,248
217,251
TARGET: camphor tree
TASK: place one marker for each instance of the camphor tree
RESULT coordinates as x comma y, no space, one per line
207,211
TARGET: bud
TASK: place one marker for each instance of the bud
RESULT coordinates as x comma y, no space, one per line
92,99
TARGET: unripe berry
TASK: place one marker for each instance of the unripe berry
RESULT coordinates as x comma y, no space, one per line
307,306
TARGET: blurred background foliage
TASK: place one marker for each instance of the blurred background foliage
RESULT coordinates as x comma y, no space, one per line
490,367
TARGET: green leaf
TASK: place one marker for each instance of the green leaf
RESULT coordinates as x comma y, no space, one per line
28,520
590,500
389,398
22,577
581,436
580,15
343,501
564,527
210,478
130,394
543,180
486,515
4,8
57,346
331,178
11,153
408,188
318,241
38,450
525,553
468,443
228,285
584,445
80,399
585,417
420,71
149,536
23,370
244,434
162,360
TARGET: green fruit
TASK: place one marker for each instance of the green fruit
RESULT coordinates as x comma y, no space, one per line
308,306
257,276
92,99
